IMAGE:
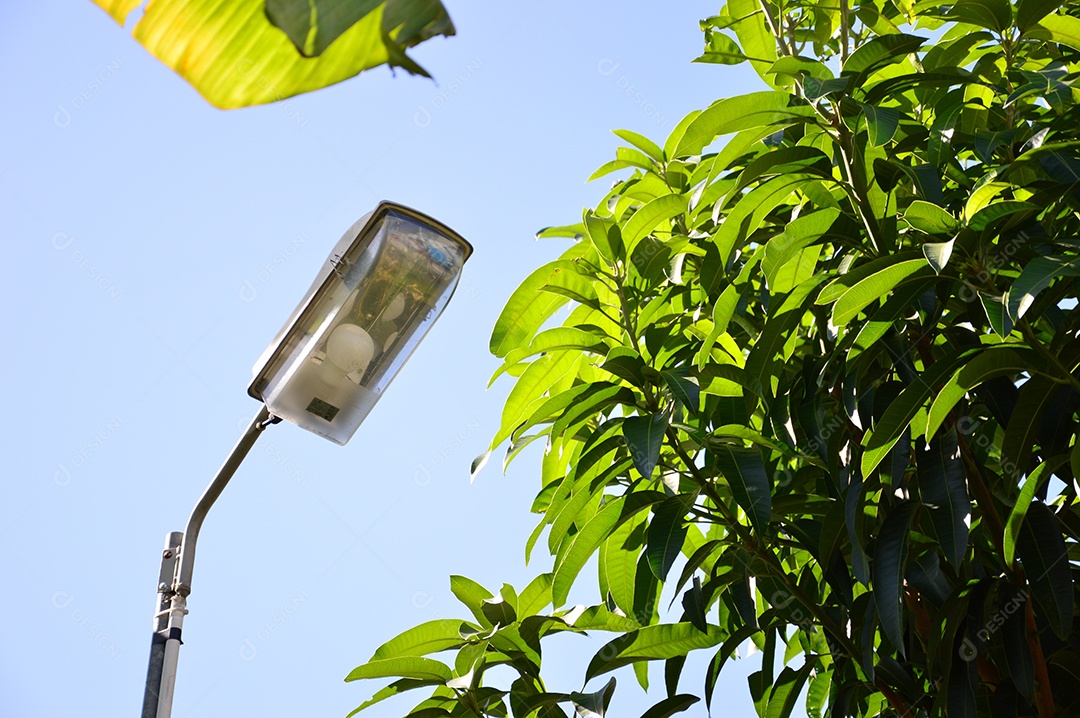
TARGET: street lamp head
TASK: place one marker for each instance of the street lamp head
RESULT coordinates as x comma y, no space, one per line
383,286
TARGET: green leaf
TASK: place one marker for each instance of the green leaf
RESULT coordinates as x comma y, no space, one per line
472,595
1037,276
789,246
930,218
818,692
594,705
693,603
997,314
943,485
605,237
780,323
396,688
787,689
528,308
658,642
873,287
628,365
754,36
670,706
881,122
796,67
1032,484
586,541
429,637
313,24
685,388
570,231
998,210
840,285
750,483
673,140
404,667
666,534
642,143
234,56
723,310
617,563
550,340
644,437
815,89
1029,12
903,409
536,596
527,395
890,554
646,219
499,611
720,50
880,51
568,281
786,160
1046,562
991,14
989,364
757,109
1058,28
477,464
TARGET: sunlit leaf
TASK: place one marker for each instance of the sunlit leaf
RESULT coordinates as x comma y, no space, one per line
234,56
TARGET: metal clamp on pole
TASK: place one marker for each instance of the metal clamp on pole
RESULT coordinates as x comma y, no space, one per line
174,580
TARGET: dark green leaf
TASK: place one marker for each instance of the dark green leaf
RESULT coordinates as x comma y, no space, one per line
750,483
396,688
594,705
881,123
890,555
1029,12
989,364
667,531
943,485
1035,277
1034,481
787,689
1046,562
670,706
644,437
685,388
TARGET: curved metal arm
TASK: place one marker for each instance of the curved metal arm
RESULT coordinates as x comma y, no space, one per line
263,419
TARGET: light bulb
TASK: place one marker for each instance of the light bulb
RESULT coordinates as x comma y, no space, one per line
350,348
394,309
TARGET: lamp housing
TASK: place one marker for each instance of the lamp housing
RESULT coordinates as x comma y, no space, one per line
383,286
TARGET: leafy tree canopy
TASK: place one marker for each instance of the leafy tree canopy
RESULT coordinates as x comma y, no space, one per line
238,53
819,377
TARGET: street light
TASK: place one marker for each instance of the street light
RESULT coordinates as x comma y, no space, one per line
384,284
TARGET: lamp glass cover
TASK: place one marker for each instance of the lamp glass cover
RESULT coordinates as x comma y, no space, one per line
386,283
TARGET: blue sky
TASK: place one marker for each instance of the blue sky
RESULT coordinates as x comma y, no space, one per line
155,247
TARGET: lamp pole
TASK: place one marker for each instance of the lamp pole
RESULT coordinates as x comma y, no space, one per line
174,579
384,284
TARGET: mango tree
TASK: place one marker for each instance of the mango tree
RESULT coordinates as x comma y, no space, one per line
819,377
